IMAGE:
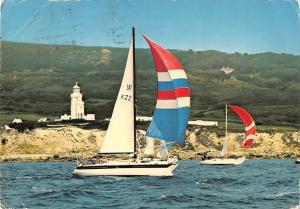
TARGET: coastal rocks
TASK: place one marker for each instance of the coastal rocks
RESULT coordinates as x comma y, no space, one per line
4,141
25,157
50,143
203,143
55,156
70,143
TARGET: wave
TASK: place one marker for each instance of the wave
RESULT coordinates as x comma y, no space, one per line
217,180
283,194
177,198
23,177
40,190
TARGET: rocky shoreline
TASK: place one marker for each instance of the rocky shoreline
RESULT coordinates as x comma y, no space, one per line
71,143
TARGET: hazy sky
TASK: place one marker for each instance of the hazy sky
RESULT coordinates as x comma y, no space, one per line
251,26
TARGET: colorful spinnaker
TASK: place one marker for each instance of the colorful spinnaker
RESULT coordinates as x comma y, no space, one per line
250,128
170,117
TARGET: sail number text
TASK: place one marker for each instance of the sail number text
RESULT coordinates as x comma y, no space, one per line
126,97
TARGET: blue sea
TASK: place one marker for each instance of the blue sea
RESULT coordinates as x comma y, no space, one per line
265,184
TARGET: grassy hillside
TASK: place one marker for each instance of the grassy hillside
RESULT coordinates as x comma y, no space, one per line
38,79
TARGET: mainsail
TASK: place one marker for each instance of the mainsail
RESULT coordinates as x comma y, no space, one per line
250,128
120,136
224,149
170,117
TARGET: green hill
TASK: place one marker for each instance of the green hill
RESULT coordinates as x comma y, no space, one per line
38,79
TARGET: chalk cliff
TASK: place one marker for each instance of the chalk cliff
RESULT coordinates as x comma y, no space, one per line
73,142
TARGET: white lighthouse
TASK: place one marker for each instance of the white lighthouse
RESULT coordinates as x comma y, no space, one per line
77,106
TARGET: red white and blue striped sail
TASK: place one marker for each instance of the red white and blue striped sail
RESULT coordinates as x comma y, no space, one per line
171,114
250,128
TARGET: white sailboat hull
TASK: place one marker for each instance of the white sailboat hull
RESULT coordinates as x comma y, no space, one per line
225,161
126,169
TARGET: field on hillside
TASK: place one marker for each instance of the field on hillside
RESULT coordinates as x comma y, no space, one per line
38,79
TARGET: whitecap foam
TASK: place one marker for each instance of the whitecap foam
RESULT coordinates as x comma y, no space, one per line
40,190
282,194
24,177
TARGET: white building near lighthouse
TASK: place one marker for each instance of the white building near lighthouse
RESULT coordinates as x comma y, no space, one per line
77,107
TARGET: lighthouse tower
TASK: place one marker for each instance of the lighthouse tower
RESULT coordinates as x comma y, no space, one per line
77,105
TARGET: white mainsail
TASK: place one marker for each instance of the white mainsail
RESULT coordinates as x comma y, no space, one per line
120,135
224,149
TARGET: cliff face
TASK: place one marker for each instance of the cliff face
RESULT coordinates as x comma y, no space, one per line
43,144
74,142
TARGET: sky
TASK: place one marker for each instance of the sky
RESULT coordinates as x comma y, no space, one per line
245,26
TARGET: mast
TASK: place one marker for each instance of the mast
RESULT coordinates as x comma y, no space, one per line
226,124
226,116
134,90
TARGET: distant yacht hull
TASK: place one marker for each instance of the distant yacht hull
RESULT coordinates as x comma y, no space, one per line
159,168
225,161
297,161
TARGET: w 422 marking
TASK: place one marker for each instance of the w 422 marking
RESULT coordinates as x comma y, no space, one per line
126,97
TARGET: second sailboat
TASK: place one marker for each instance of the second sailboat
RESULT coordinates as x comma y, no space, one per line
250,130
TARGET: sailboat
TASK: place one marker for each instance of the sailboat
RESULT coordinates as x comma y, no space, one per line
250,130
168,124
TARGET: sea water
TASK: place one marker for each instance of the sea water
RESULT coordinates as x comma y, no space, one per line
265,184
